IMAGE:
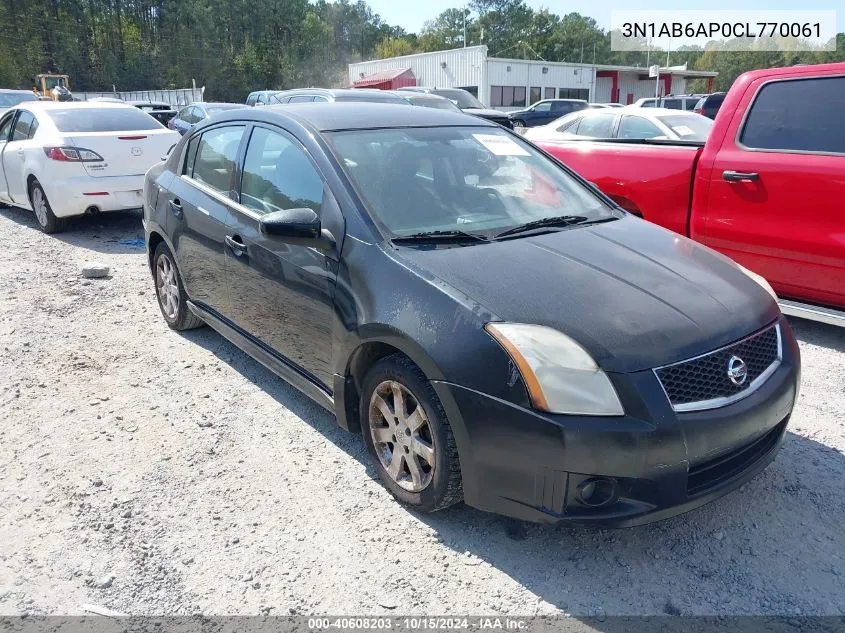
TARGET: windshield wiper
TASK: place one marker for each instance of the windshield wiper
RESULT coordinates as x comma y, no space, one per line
439,236
560,220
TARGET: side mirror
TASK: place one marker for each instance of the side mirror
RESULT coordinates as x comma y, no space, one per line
297,226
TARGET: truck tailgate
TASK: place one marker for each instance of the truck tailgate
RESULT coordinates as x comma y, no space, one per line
652,181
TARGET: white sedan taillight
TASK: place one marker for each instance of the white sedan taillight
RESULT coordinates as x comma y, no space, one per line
73,154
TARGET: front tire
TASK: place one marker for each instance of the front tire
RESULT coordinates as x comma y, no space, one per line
518,124
47,220
409,437
172,298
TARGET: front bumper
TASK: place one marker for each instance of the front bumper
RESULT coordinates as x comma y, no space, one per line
531,465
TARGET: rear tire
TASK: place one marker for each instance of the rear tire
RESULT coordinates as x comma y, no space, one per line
171,295
411,444
47,220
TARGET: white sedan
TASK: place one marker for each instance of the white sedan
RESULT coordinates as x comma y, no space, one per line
65,159
629,122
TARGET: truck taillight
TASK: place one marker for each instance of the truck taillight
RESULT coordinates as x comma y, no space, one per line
73,154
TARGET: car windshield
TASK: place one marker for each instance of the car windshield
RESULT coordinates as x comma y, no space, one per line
11,99
688,127
468,179
462,98
126,119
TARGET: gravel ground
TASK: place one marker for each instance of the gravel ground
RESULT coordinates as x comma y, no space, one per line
155,473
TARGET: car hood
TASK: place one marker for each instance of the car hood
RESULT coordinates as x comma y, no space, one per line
634,295
485,113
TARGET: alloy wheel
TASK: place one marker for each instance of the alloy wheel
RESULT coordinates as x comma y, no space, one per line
39,205
168,288
402,436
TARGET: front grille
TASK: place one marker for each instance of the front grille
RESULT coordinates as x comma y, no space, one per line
705,383
711,473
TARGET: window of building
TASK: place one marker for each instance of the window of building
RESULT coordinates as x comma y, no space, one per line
496,96
549,93
573,93
507,96
534,96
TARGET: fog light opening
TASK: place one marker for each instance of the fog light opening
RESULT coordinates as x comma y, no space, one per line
597,492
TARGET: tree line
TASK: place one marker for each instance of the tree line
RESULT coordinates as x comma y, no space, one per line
236,46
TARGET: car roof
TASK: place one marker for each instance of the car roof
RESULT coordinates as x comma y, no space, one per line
325,117
219,103
652,112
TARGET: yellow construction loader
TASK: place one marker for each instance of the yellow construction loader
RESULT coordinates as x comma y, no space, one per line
55,87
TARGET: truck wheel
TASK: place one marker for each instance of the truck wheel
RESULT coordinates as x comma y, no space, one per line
172,298
408,436
47,220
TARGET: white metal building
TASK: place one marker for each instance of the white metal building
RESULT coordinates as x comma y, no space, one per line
509,84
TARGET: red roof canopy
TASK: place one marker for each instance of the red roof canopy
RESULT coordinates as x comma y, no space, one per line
387,79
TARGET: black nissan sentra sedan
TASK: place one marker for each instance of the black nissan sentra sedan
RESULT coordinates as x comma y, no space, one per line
498,330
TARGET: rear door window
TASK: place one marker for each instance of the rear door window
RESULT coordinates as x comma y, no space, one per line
21,131
216,157
597,126
301,99
673,104
118,119
637,127
800,115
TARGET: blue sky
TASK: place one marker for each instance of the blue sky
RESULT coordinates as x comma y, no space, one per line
411,15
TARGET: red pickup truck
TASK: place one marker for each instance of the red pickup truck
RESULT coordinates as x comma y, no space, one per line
767,188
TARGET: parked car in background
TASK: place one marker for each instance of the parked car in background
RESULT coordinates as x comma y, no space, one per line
427,100
11,98
625,123
159,110
466,102
765,189
709,105
606,105
260,97
331,95
545,111
431,279
672,102
66,159
189,116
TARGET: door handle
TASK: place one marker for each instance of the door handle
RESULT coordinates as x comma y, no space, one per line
740,176
237,246
176,207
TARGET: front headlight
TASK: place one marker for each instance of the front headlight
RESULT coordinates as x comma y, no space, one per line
560,375
760,280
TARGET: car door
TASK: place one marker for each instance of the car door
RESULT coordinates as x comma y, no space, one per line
14,157
776,187
282,293
6,123
541,114
198,211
